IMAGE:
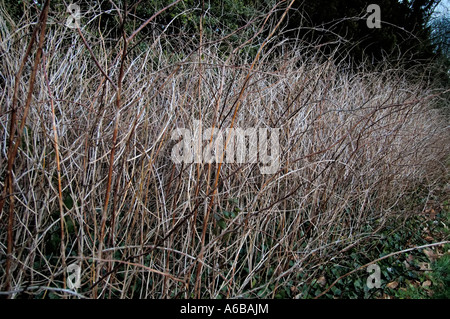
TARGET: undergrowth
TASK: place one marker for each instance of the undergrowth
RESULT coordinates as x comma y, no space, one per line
415,274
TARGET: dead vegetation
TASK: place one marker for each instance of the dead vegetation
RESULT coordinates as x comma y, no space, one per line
92,181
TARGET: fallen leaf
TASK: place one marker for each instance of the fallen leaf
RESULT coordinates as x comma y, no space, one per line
430,254
426,284
410,258
424,266
407,265
429,239
392,285
322,281
432,213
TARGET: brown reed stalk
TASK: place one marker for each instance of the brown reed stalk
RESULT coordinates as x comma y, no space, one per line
17,133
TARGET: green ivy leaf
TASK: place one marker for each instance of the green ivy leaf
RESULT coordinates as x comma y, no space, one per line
222,224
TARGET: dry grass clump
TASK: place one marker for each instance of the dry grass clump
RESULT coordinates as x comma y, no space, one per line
93,181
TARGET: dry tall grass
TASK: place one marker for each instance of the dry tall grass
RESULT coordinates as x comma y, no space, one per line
93,182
